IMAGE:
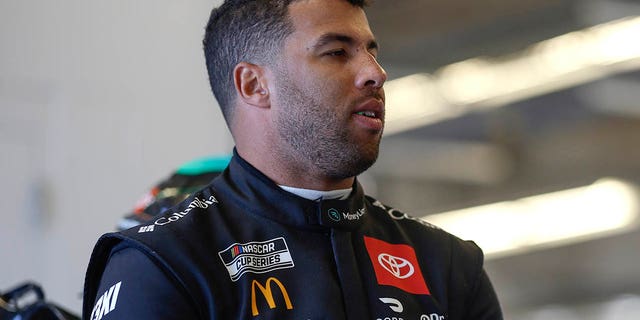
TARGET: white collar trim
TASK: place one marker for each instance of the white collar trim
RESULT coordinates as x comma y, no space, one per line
309,194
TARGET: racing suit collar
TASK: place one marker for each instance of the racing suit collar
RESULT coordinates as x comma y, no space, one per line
261,196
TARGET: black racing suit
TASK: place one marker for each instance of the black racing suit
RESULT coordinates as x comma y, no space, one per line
243,248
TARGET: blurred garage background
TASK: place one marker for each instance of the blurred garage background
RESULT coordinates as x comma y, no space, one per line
511,122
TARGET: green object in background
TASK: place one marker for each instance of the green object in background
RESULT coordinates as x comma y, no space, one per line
203,165
180,184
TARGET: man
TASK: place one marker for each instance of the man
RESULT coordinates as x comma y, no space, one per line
285,232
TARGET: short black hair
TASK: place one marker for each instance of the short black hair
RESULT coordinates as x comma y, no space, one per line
244,30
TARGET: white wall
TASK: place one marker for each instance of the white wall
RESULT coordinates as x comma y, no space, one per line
98,100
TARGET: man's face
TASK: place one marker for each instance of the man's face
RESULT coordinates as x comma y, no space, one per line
328,101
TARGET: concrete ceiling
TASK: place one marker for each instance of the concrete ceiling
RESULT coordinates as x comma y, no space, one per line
429,34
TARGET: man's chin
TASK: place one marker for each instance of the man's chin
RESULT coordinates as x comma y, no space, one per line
355,166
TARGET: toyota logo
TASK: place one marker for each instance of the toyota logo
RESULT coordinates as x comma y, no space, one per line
399,267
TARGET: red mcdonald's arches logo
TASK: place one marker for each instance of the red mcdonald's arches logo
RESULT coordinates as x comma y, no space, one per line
267,293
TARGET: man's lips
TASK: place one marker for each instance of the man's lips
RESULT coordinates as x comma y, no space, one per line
370,114
370,108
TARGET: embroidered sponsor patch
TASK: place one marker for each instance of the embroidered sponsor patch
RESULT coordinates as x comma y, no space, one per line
106,303
395,214
393,303
396,265
267,293
256,257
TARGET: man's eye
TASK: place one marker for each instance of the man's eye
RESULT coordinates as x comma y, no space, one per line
336,53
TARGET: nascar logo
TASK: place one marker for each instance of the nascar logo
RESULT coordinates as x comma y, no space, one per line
237,250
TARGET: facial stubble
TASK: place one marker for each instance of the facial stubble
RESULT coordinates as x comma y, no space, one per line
317,138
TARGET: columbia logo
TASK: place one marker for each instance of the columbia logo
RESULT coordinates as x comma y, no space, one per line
146,229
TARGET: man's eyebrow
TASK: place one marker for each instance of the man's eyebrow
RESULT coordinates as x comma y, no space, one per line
331,37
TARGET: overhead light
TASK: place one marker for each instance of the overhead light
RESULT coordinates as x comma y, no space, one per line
565,61
480,83
607,207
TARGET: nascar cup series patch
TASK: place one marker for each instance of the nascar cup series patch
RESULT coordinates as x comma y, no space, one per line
256,257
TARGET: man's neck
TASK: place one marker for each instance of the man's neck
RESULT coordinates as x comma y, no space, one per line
287,175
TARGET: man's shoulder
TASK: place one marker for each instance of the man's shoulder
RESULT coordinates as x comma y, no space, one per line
422,231
400,216
180,218
163,237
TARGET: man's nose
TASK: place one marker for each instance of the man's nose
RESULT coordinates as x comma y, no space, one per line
370,74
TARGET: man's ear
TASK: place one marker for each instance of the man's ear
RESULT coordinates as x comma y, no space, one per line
251,84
